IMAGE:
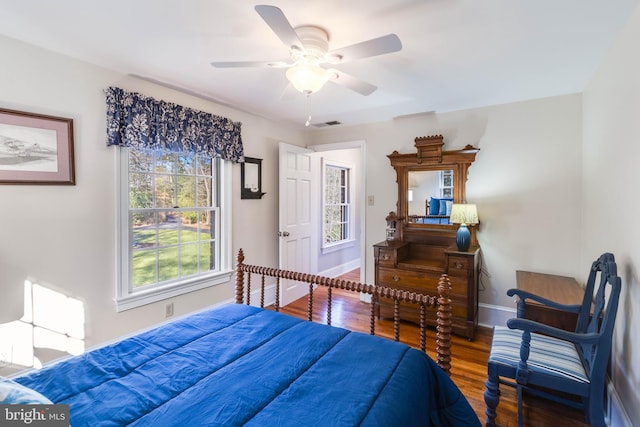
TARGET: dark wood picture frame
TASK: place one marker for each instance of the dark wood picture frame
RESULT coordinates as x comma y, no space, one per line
36,149
251,178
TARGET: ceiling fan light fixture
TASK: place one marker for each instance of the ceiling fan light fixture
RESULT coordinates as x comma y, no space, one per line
308,78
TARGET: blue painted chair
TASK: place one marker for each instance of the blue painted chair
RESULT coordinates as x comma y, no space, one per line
554,363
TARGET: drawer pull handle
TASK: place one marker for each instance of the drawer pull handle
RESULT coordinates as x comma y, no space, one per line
386,257
396,278
458,265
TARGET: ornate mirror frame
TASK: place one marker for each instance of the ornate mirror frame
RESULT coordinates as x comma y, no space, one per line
429,157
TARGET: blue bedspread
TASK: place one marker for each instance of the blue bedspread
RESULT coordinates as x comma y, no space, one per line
241,365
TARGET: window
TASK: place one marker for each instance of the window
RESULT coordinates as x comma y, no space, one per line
171,222
446,183
337,204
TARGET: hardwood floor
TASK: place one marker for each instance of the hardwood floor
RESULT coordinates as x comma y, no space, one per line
469,359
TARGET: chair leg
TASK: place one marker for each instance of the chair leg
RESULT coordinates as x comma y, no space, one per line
519,389
491,396
595,412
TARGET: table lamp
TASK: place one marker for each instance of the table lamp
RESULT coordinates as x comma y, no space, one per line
463,214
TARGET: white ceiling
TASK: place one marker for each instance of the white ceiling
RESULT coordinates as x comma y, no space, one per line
456,54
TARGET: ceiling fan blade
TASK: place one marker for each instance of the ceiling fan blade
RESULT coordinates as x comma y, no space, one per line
239,64
352,83
280,25
378,46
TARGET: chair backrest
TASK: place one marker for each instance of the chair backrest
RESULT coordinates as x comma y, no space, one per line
598,313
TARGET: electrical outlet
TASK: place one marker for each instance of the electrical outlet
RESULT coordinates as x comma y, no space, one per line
370,200
168,310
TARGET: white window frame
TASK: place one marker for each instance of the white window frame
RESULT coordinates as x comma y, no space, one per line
126,297
444,187
328,247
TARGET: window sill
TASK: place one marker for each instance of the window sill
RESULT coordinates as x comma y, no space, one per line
338,246
140,298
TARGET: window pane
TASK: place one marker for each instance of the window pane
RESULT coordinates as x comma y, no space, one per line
204,190
144,267
330,214
333,233
207,256
166,162
167,264
203,165
168,228
140,190
186,191
188,260
185,164
205,221
344,213
140,160
144,230
166,196
189,227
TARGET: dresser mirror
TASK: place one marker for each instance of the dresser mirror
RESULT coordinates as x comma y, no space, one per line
425,185
429,182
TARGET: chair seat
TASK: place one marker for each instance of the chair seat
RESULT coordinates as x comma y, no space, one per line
548,355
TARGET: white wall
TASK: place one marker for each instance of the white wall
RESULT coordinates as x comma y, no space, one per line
610,196
63,237
525,181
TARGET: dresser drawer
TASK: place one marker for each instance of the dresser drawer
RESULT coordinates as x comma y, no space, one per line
408,280
459,287
387,257
459,306
458,266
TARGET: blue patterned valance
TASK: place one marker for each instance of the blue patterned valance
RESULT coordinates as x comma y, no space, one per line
135,120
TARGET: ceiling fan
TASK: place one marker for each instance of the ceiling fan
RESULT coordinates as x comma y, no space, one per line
309,49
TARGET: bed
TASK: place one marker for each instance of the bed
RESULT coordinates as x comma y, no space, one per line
237,364
437,211
429,219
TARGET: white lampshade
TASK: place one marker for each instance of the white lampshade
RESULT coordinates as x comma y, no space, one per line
308,78
463,214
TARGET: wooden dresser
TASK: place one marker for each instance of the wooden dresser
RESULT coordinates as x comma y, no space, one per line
420,248
417,267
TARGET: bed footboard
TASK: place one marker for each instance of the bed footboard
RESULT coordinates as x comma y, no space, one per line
442,302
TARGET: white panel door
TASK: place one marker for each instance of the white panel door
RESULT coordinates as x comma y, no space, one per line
296,218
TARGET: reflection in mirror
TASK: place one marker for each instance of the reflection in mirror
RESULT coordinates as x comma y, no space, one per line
251,178
423,185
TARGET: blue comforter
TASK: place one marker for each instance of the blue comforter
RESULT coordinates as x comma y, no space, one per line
241,365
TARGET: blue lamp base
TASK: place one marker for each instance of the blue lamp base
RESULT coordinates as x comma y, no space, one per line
463,238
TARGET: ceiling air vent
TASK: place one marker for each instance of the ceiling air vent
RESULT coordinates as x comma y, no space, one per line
331,123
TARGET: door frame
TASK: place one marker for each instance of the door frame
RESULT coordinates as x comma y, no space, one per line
362,197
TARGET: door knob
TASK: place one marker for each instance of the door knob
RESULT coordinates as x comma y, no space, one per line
283,233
